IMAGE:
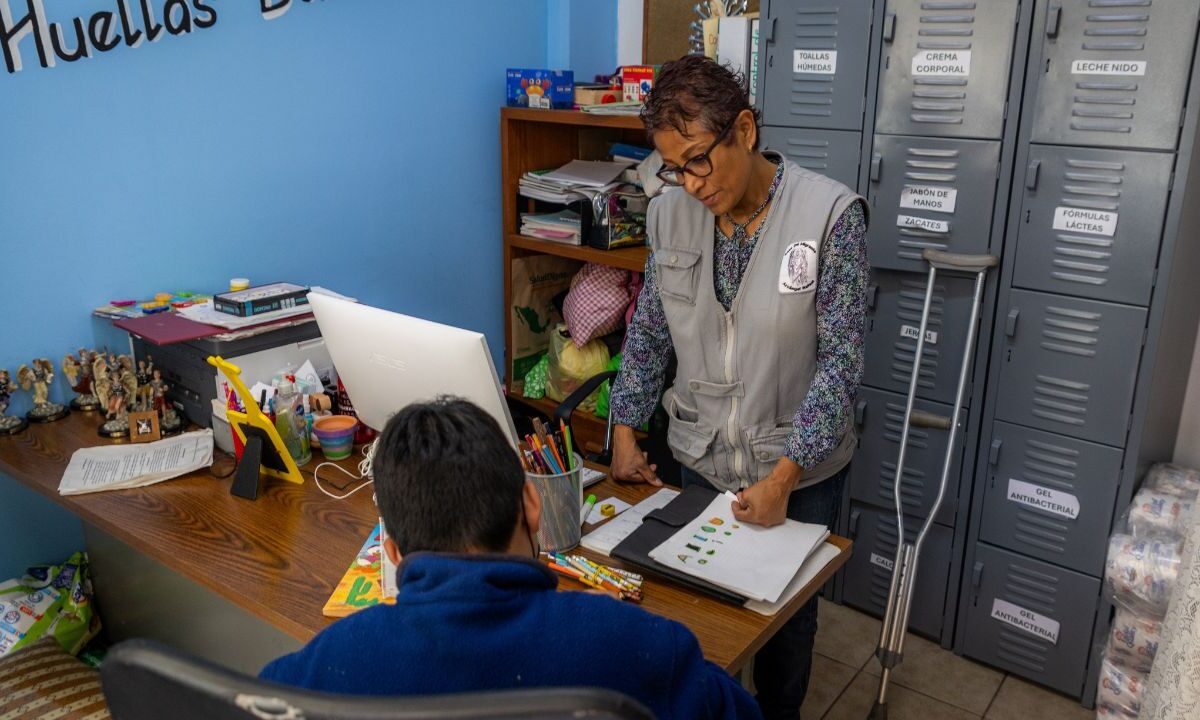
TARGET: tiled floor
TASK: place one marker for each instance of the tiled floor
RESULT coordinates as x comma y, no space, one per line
931,683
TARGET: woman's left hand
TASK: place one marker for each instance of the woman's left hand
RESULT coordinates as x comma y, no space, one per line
765,502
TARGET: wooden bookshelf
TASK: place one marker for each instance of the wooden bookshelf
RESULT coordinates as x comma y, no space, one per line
535,140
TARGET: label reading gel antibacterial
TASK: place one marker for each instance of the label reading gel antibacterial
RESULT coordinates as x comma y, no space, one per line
1037,625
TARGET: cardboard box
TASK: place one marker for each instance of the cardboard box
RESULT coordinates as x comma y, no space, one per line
538,88
637,80
596,94
261,299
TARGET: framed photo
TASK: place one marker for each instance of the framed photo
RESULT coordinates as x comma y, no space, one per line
143,427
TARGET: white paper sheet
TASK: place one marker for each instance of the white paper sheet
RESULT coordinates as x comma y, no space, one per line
597,513
816,562
116,467
751,560
606,537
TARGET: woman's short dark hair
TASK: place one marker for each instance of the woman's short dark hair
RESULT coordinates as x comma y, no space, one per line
696,88
447,479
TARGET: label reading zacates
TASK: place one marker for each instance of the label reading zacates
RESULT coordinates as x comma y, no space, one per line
912,331
928,197
1108,67
881,561
1043,498
942,63
816,62
1095,222
920,223
1037,625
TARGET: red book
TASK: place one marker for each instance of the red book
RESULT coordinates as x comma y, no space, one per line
167,328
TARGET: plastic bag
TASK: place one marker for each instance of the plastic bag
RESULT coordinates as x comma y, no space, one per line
1141,572
534,386
1133,639
606,388
53,600
570,366
597,302
1120,691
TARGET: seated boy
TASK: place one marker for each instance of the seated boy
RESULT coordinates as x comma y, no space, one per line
476,610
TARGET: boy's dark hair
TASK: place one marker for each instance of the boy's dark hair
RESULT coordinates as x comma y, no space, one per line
447,479
692,88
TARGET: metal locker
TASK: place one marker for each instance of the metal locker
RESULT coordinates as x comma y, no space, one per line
1112,73
1069,365
879,417
816,63
946,67
832,153
894,302
1049,496
929,193
1091,222
868,572
1030,618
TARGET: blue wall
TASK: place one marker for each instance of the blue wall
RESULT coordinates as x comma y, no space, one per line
349,143
582,36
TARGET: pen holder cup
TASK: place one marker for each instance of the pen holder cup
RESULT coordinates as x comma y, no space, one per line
562,501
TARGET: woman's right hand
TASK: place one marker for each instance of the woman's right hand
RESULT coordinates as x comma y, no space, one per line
629,463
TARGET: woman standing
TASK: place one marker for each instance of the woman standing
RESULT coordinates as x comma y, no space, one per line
756,281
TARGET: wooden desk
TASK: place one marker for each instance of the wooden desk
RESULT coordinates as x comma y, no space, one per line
279,557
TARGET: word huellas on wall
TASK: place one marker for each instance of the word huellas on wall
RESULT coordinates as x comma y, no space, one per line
130,22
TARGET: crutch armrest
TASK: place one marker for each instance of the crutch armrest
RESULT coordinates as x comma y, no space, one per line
957,261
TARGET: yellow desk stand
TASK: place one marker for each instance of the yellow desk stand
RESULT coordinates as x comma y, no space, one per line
263,450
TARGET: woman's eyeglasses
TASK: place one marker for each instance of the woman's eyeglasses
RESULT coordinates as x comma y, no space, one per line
698,166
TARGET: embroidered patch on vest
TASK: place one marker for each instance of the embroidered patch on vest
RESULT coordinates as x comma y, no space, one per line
798,271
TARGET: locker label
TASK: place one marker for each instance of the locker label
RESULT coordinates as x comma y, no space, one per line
942,63
928,197
1027,620
909,221
817,62
1108,67
1096,222
1043,498
911,332
881,561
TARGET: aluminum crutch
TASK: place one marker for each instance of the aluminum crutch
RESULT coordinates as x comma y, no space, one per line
904,566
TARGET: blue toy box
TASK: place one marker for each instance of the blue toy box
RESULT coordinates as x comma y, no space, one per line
541,88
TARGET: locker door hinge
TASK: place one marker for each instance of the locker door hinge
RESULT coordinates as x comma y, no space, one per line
889,26
771,31
1005,116
1171,179
1146,331
976,575
994,454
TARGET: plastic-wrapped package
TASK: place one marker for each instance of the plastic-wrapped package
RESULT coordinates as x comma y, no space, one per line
1133,640
1141,572
1176,479
570,366
1120,688
1158,511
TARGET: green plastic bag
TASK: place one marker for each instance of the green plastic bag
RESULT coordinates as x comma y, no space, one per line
535,379
53,600
605,388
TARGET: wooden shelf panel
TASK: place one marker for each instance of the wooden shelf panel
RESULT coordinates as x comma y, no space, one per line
633,258
572,117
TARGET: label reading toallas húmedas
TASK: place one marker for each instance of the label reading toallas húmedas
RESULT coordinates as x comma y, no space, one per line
814,62
1037,625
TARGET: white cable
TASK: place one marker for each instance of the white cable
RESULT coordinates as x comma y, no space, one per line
364,473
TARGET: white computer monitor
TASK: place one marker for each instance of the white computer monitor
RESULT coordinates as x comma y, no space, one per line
387,361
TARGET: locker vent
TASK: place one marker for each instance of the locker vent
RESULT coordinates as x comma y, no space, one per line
908,312
943,26
1107,105
809,153
927,166
1088,185
1038,592
812,95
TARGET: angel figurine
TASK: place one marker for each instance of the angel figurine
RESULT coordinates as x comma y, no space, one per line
169,421
143,375
9,424
79,373
37,376
116,384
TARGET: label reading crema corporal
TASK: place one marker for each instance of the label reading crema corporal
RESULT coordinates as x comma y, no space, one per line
942,63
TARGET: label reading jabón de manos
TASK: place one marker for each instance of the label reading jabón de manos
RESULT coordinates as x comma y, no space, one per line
929,197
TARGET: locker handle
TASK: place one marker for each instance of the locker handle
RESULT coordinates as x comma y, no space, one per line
1053,16
1031,174
994,455
920,418
860,411
854,516
872,295
771,31
889,27
876,165
976,575
1010,324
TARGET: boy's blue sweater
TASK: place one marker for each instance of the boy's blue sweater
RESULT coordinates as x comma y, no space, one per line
479,622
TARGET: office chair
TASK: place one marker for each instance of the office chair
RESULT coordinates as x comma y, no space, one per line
144,680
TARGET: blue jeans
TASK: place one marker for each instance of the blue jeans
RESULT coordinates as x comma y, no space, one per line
783,666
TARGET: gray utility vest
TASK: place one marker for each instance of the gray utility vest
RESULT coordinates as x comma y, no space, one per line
744,373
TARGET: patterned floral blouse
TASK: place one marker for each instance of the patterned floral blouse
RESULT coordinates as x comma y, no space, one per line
825,414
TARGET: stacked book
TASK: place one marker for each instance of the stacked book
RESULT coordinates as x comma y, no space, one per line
575,181
562,226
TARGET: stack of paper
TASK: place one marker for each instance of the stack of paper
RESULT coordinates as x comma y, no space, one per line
627,107
609,535
577,180
205,313
753,561
117,467
562,226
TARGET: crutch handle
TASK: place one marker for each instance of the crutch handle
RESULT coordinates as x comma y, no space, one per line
957,261
920,418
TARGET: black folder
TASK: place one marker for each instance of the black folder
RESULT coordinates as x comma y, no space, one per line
658,526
